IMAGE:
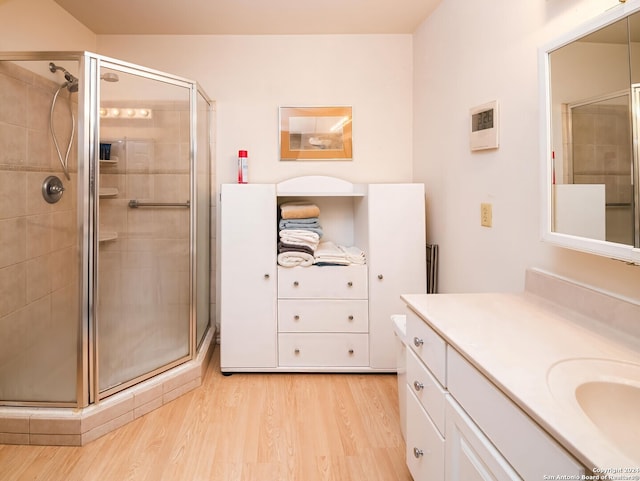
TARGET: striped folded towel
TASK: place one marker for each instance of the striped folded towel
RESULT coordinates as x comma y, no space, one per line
299,210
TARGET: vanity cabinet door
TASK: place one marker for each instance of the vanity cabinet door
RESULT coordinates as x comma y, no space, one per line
470,456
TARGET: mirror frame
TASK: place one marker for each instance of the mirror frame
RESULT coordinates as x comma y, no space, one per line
626,253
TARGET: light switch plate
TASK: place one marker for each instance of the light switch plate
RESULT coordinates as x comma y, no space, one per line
485,215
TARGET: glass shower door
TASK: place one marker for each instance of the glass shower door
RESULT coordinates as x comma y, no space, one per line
143,226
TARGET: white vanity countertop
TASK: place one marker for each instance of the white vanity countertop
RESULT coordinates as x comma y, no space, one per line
514,339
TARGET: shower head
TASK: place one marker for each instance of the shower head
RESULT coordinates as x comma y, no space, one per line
110,77
71,81
72,85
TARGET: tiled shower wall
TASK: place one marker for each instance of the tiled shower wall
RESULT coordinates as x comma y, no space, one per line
38,244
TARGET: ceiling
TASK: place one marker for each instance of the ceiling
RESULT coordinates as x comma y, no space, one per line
249,17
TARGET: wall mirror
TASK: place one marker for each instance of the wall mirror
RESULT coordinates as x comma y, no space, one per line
590,97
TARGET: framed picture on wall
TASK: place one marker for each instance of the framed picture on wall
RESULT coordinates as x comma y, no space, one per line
316,133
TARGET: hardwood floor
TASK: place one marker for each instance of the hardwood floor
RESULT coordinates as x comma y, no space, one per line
244,427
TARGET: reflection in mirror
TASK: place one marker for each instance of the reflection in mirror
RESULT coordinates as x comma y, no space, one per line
598,154
592,157
592,167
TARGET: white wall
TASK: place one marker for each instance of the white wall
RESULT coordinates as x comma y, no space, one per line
249,77
41,25
465,54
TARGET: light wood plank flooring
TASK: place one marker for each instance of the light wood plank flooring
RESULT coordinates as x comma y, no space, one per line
244,427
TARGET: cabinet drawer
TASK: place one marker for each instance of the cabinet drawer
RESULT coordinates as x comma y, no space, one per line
428,345
426,389
311,315
327,282
425,446
323,350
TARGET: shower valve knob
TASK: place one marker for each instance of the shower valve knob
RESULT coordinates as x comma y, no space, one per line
52,189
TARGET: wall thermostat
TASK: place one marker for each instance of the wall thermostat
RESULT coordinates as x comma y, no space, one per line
483,133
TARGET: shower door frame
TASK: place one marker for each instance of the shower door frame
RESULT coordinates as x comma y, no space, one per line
82,307
89,65
92,67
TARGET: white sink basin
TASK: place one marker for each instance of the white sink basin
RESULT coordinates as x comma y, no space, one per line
607,394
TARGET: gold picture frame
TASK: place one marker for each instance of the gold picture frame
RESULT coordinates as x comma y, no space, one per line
316,133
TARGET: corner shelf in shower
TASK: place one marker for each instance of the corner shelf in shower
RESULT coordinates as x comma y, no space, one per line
108,191
105,236
111,161
118,148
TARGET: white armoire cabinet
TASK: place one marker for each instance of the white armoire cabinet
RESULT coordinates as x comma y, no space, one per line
329,318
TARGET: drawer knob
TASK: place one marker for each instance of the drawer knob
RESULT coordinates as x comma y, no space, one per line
296,351
351,351
418,386
266,276
417,452
296,317
417,342
350,284
351,318
380,276
296,283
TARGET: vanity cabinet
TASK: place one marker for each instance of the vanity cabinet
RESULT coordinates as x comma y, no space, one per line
317,318
528,448
461,427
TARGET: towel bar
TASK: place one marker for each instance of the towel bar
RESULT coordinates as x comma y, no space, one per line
134,204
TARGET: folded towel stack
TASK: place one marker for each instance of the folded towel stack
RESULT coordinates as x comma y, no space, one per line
330,254
299,233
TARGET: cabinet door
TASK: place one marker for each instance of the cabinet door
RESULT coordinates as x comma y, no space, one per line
470,456
248,283
397,260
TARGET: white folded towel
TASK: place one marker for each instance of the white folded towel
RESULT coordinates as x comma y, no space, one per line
354,254
300,237
330,253
293,259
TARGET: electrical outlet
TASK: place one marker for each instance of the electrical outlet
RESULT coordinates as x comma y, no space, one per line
485,215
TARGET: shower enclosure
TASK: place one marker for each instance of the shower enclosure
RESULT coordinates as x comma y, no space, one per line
104,226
